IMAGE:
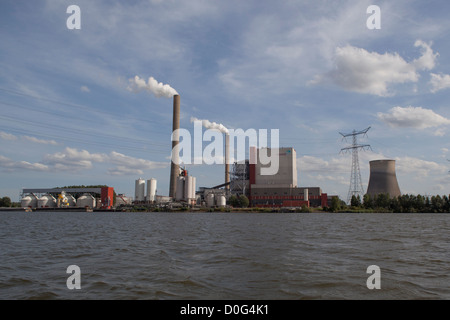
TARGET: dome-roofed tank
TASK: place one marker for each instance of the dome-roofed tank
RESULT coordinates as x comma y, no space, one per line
29,201
86,200
47,201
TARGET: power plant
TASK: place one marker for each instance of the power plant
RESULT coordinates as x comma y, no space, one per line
383,178
247,177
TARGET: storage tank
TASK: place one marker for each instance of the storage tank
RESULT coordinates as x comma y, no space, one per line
86,200
221,201
210,200
29,201
179,194
188,181
140,190
194,181
305,194
47,201
151,189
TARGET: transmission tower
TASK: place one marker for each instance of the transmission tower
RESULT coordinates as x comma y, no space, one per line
356,187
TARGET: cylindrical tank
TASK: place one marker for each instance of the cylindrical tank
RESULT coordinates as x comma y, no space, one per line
305,194
188,188
140,190
194,181
151,189
221,201
383,178
47,201
180,185
210,200
30,200
86,200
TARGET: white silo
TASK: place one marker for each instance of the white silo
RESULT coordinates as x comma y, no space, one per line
29,201
86,200
210,200
188,188
221,201
194,181
47,201
139,194
151,189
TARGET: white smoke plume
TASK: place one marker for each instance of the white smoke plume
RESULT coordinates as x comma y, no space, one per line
211,125
157,88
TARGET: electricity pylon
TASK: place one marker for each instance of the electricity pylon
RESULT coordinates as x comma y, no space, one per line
356,187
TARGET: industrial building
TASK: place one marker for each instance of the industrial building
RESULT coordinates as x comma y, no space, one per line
98,198
280,189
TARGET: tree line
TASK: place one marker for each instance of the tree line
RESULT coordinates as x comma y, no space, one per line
406,203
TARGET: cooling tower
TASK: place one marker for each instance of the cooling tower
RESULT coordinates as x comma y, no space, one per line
175,168
383,178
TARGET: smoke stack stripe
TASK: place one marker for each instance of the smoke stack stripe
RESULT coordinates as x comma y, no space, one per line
175,168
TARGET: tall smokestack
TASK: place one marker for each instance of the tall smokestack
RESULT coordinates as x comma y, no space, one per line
175,168
383,178
227,160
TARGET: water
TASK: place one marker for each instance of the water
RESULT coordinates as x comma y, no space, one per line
267,256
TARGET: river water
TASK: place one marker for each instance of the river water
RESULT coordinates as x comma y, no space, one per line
267,256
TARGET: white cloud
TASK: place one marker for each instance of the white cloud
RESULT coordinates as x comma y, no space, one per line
11,165
419,168
122,161
85,89
11,137
439,82
412,117
428,59
124,171
41,141
7,136
361,71
73,160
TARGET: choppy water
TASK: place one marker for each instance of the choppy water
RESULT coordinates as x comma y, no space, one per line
224,255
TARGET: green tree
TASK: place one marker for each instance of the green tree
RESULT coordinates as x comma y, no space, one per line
244,202
234,201
368,201
335,204
5,202
355,201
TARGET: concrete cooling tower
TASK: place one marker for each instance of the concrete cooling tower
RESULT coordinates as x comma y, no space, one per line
383,178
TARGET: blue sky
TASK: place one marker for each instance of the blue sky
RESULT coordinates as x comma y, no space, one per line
311,69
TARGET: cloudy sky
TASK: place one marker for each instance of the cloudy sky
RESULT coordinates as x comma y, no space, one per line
72,112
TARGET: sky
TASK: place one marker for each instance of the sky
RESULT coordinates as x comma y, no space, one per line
74,109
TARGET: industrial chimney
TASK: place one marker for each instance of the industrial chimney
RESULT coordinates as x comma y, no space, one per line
383,178
227,161
175,168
